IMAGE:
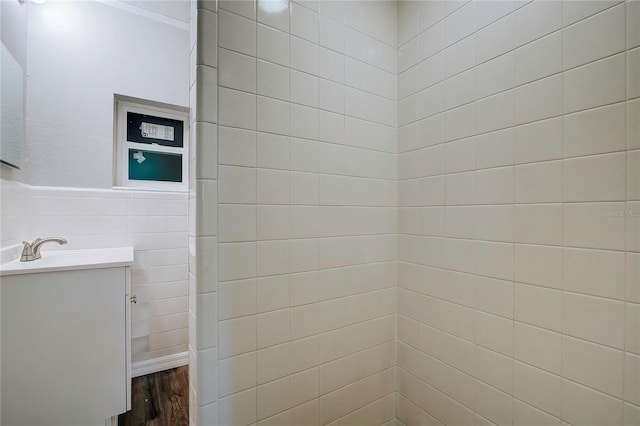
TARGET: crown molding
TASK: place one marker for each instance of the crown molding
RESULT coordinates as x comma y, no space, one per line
118,4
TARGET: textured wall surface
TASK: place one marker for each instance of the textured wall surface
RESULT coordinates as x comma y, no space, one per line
519,214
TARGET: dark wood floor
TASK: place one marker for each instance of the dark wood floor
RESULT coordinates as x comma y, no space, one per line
159,399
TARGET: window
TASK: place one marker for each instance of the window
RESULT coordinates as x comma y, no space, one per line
151,146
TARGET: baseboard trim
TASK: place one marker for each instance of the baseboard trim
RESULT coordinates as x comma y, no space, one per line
162,363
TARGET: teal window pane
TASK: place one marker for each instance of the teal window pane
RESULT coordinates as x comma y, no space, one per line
155,166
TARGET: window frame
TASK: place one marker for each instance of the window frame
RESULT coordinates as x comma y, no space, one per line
122,145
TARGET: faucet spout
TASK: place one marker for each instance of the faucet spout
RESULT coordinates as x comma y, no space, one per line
32,251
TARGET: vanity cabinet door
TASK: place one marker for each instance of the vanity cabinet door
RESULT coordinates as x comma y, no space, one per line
64,347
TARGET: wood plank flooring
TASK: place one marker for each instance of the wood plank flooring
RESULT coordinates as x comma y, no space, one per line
159,399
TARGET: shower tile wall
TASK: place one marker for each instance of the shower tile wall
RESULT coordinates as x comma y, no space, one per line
306,212
203,296
519,213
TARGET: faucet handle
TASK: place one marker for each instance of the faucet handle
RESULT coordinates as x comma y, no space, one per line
27,252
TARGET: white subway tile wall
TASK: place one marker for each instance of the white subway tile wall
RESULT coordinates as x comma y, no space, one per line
154,223
521,306
205,35
14,226
295,229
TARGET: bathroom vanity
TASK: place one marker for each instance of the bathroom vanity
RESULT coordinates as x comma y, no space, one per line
66,338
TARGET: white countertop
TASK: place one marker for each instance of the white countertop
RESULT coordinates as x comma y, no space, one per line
70,260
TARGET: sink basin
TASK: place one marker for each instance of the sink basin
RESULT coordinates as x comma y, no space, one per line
69,260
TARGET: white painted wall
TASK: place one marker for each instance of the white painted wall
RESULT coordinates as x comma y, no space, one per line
80,54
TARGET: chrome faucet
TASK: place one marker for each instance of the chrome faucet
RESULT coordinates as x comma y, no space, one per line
32,251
